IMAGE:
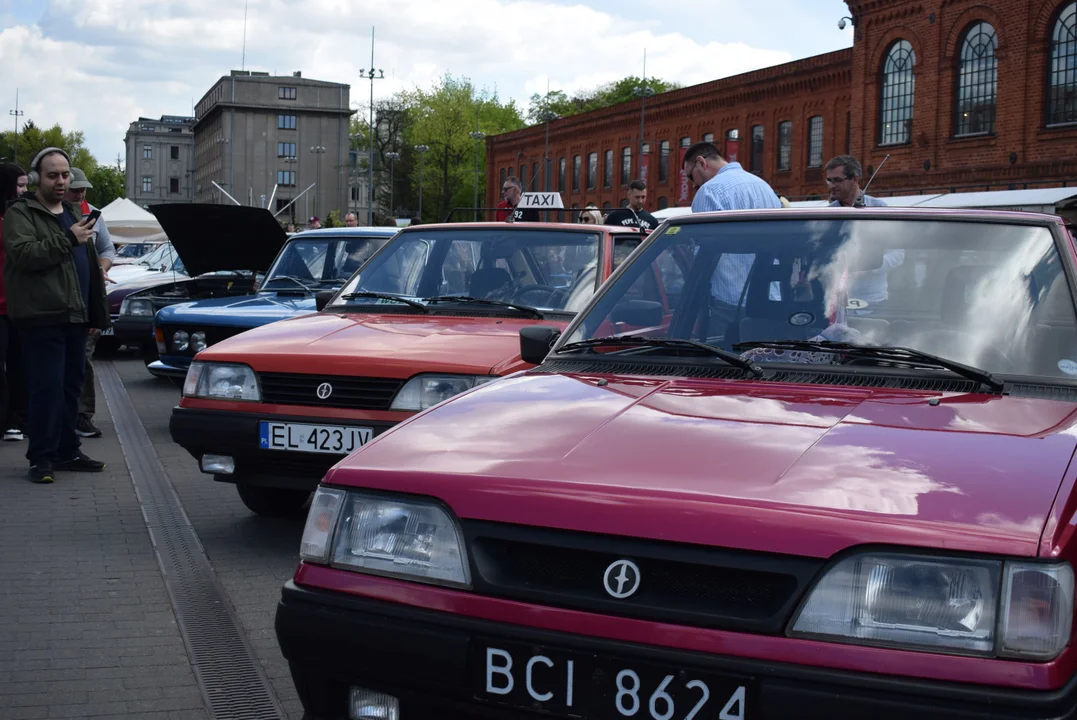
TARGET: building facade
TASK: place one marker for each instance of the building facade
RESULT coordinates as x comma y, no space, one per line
160,160
255,132
960,94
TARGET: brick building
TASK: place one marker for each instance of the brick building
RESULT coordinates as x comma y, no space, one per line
962,94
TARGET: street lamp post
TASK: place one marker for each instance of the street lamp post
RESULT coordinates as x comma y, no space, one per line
17,114
422,150
477,136
371,75
392,156
318,151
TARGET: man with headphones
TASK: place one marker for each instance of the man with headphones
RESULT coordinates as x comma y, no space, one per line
55,295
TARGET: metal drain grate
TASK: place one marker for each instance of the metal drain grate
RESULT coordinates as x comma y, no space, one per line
233,684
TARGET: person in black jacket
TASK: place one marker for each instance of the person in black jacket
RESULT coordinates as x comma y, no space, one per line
513,191
633,215
56,293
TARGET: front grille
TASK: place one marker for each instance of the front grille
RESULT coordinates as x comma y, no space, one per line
348,392
214,335
684,584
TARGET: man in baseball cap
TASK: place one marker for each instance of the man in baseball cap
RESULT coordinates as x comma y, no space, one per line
106,254
314,223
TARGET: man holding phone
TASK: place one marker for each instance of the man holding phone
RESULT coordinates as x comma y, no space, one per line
55,293
106,255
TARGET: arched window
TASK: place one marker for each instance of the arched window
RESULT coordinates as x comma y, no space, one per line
977,82
896,99
1062,72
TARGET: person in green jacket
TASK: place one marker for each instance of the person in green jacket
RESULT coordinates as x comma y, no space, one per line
53,300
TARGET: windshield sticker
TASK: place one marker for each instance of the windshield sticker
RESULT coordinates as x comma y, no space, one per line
673,230
801,319
855,304
1068,366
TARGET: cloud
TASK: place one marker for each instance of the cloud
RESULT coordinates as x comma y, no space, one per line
98,65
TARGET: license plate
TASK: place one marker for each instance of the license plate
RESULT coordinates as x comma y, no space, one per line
332,439
593,687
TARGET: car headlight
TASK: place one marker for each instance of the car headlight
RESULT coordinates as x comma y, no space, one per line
943,604
424,391
221,381
180,340
407,539
137,307
198,341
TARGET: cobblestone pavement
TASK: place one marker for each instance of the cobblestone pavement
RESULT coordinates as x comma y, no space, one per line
86,628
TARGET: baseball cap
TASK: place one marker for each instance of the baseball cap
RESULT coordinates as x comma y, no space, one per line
313,218
79,180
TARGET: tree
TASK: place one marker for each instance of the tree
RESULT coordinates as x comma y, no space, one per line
108,183
442,119
33,140
557,104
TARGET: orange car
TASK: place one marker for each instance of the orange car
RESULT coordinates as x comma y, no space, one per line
435,312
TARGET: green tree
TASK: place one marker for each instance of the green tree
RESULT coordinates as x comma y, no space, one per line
442,119
108,183
33,140
557,104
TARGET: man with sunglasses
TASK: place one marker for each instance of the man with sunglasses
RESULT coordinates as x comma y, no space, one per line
843,181
511,193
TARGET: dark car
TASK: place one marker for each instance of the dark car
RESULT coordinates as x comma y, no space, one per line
217,251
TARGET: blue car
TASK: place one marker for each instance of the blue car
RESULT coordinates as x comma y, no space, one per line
308,262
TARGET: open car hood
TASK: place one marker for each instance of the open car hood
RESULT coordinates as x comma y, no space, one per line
221,237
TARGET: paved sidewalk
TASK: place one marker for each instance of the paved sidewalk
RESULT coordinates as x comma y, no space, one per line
86,629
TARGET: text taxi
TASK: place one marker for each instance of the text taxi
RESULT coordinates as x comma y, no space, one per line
435,312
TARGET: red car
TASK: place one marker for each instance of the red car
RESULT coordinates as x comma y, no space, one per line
433,313
821,470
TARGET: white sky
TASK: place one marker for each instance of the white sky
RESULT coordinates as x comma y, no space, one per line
97,65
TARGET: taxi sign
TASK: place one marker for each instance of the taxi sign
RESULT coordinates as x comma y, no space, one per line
541,200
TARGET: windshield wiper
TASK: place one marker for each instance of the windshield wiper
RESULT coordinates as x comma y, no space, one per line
483,301
384,296
896,354
730,358
296,280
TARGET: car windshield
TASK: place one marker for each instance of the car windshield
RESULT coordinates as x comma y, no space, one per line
132,250
545,269
321,262
983,293
162,256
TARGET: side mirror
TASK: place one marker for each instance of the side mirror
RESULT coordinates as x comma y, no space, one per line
322,298
638,313
536,341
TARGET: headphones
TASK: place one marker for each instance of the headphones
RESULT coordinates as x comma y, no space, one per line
33,178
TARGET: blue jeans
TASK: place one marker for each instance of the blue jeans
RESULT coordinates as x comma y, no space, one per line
54,362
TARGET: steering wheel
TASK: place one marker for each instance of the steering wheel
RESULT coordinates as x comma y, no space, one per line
549,297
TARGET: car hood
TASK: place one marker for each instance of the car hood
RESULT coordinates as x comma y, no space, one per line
221,237
381,345
807,470
246,311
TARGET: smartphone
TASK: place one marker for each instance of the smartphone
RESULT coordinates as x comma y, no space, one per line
92,216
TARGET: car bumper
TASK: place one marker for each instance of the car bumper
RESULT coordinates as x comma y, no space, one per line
202,432
163,369
133,329
424,657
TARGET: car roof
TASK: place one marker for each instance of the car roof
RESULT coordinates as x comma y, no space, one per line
519,225
903,213
361,231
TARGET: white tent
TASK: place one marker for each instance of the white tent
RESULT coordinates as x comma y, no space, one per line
127,222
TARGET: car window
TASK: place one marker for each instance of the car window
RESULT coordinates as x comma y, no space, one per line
541,268
323,260
990,295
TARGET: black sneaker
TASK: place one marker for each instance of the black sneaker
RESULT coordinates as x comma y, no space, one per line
42,473
80,463
85,428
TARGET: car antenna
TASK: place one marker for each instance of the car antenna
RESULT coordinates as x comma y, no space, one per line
860,199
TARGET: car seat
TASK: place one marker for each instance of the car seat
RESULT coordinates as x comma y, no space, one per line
485,281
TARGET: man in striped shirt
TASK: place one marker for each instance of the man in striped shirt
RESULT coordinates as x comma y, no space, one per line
722,185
